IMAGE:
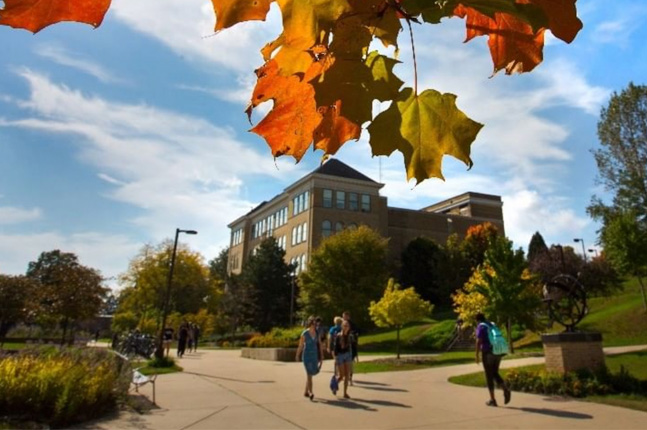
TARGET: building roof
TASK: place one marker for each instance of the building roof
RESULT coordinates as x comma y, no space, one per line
334,167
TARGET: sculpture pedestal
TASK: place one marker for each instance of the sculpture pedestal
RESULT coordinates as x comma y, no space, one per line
566,352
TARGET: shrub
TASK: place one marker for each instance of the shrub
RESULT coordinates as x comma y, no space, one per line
163,362
576,384
276,338
62,386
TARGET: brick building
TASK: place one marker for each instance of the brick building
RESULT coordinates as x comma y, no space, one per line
334,197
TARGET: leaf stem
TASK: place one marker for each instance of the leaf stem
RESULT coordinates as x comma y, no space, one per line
415,64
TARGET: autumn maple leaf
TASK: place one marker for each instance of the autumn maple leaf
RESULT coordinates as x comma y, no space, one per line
34,15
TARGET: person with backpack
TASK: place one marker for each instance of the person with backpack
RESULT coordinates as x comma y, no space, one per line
491,346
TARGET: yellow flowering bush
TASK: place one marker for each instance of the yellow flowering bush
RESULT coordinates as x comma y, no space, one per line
61,386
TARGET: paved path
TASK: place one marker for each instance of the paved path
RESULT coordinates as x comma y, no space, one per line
220,390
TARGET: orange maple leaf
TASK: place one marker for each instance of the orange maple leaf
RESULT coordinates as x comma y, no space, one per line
289,127
514,46
562,17
230,12
34,15
334,129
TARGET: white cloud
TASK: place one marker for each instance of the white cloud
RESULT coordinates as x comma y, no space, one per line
527,211
187,27
108,252
180,171
62,56
13,215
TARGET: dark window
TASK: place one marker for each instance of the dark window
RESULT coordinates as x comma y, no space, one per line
353,202
327,198
326,228
340,200
339,227
366,203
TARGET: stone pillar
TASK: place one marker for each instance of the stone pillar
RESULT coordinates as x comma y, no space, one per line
566,352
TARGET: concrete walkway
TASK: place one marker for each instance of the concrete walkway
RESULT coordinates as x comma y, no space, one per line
220,390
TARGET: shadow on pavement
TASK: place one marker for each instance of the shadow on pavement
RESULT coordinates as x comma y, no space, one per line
222,378
347,403
555,413
400,390
382,403
355,381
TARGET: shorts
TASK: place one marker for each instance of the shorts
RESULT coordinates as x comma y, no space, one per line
166,343
344,357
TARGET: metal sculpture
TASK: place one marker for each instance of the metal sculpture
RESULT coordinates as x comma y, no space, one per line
566,299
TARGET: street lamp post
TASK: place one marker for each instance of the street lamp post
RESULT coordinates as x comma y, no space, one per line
159,353
593,250
580,240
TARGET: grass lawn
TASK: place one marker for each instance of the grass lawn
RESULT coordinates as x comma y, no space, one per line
13,345
413,363
634,362
145,369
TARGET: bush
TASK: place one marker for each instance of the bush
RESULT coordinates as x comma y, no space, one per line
576,384
277,338
163,362
62,386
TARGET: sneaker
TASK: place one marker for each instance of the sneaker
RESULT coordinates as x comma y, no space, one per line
491,403
506,395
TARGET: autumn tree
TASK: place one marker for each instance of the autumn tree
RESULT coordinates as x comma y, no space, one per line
504,289
322,78
398,307
67,291
346,272
143,295
218,266
17,302
270,279
422,264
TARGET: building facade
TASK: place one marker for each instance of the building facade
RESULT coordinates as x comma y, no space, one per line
335,197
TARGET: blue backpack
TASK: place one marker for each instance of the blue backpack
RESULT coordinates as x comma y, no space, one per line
498,342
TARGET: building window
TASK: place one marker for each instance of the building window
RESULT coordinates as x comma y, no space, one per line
339,227
353,202
340,201
352,225
303,262
327,198
366,203
326,228
304,233
294,236
306,200
299,234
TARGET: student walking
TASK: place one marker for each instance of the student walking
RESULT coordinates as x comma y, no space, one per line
491,361
355,332
183,334
344,354
332,334
310,351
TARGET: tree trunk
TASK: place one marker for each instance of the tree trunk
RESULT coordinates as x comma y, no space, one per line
64,331
397,343
509,330
642,290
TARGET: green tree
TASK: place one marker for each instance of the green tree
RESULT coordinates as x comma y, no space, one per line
622,159
536,247
145,282
398,307
16,302
345,272
421,267
624,239
67,291
270,278
510,294
218,265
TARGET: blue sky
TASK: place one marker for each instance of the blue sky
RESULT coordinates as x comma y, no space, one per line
111,138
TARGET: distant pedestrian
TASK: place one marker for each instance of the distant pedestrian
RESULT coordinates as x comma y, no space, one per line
196,336
344,355
167,337
332,334
183,335
491,361
355,332
190,336
310,351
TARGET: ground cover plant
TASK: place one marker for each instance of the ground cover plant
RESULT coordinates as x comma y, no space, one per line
61,386
276,338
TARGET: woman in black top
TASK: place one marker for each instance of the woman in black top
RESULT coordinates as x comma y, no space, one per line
344,354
